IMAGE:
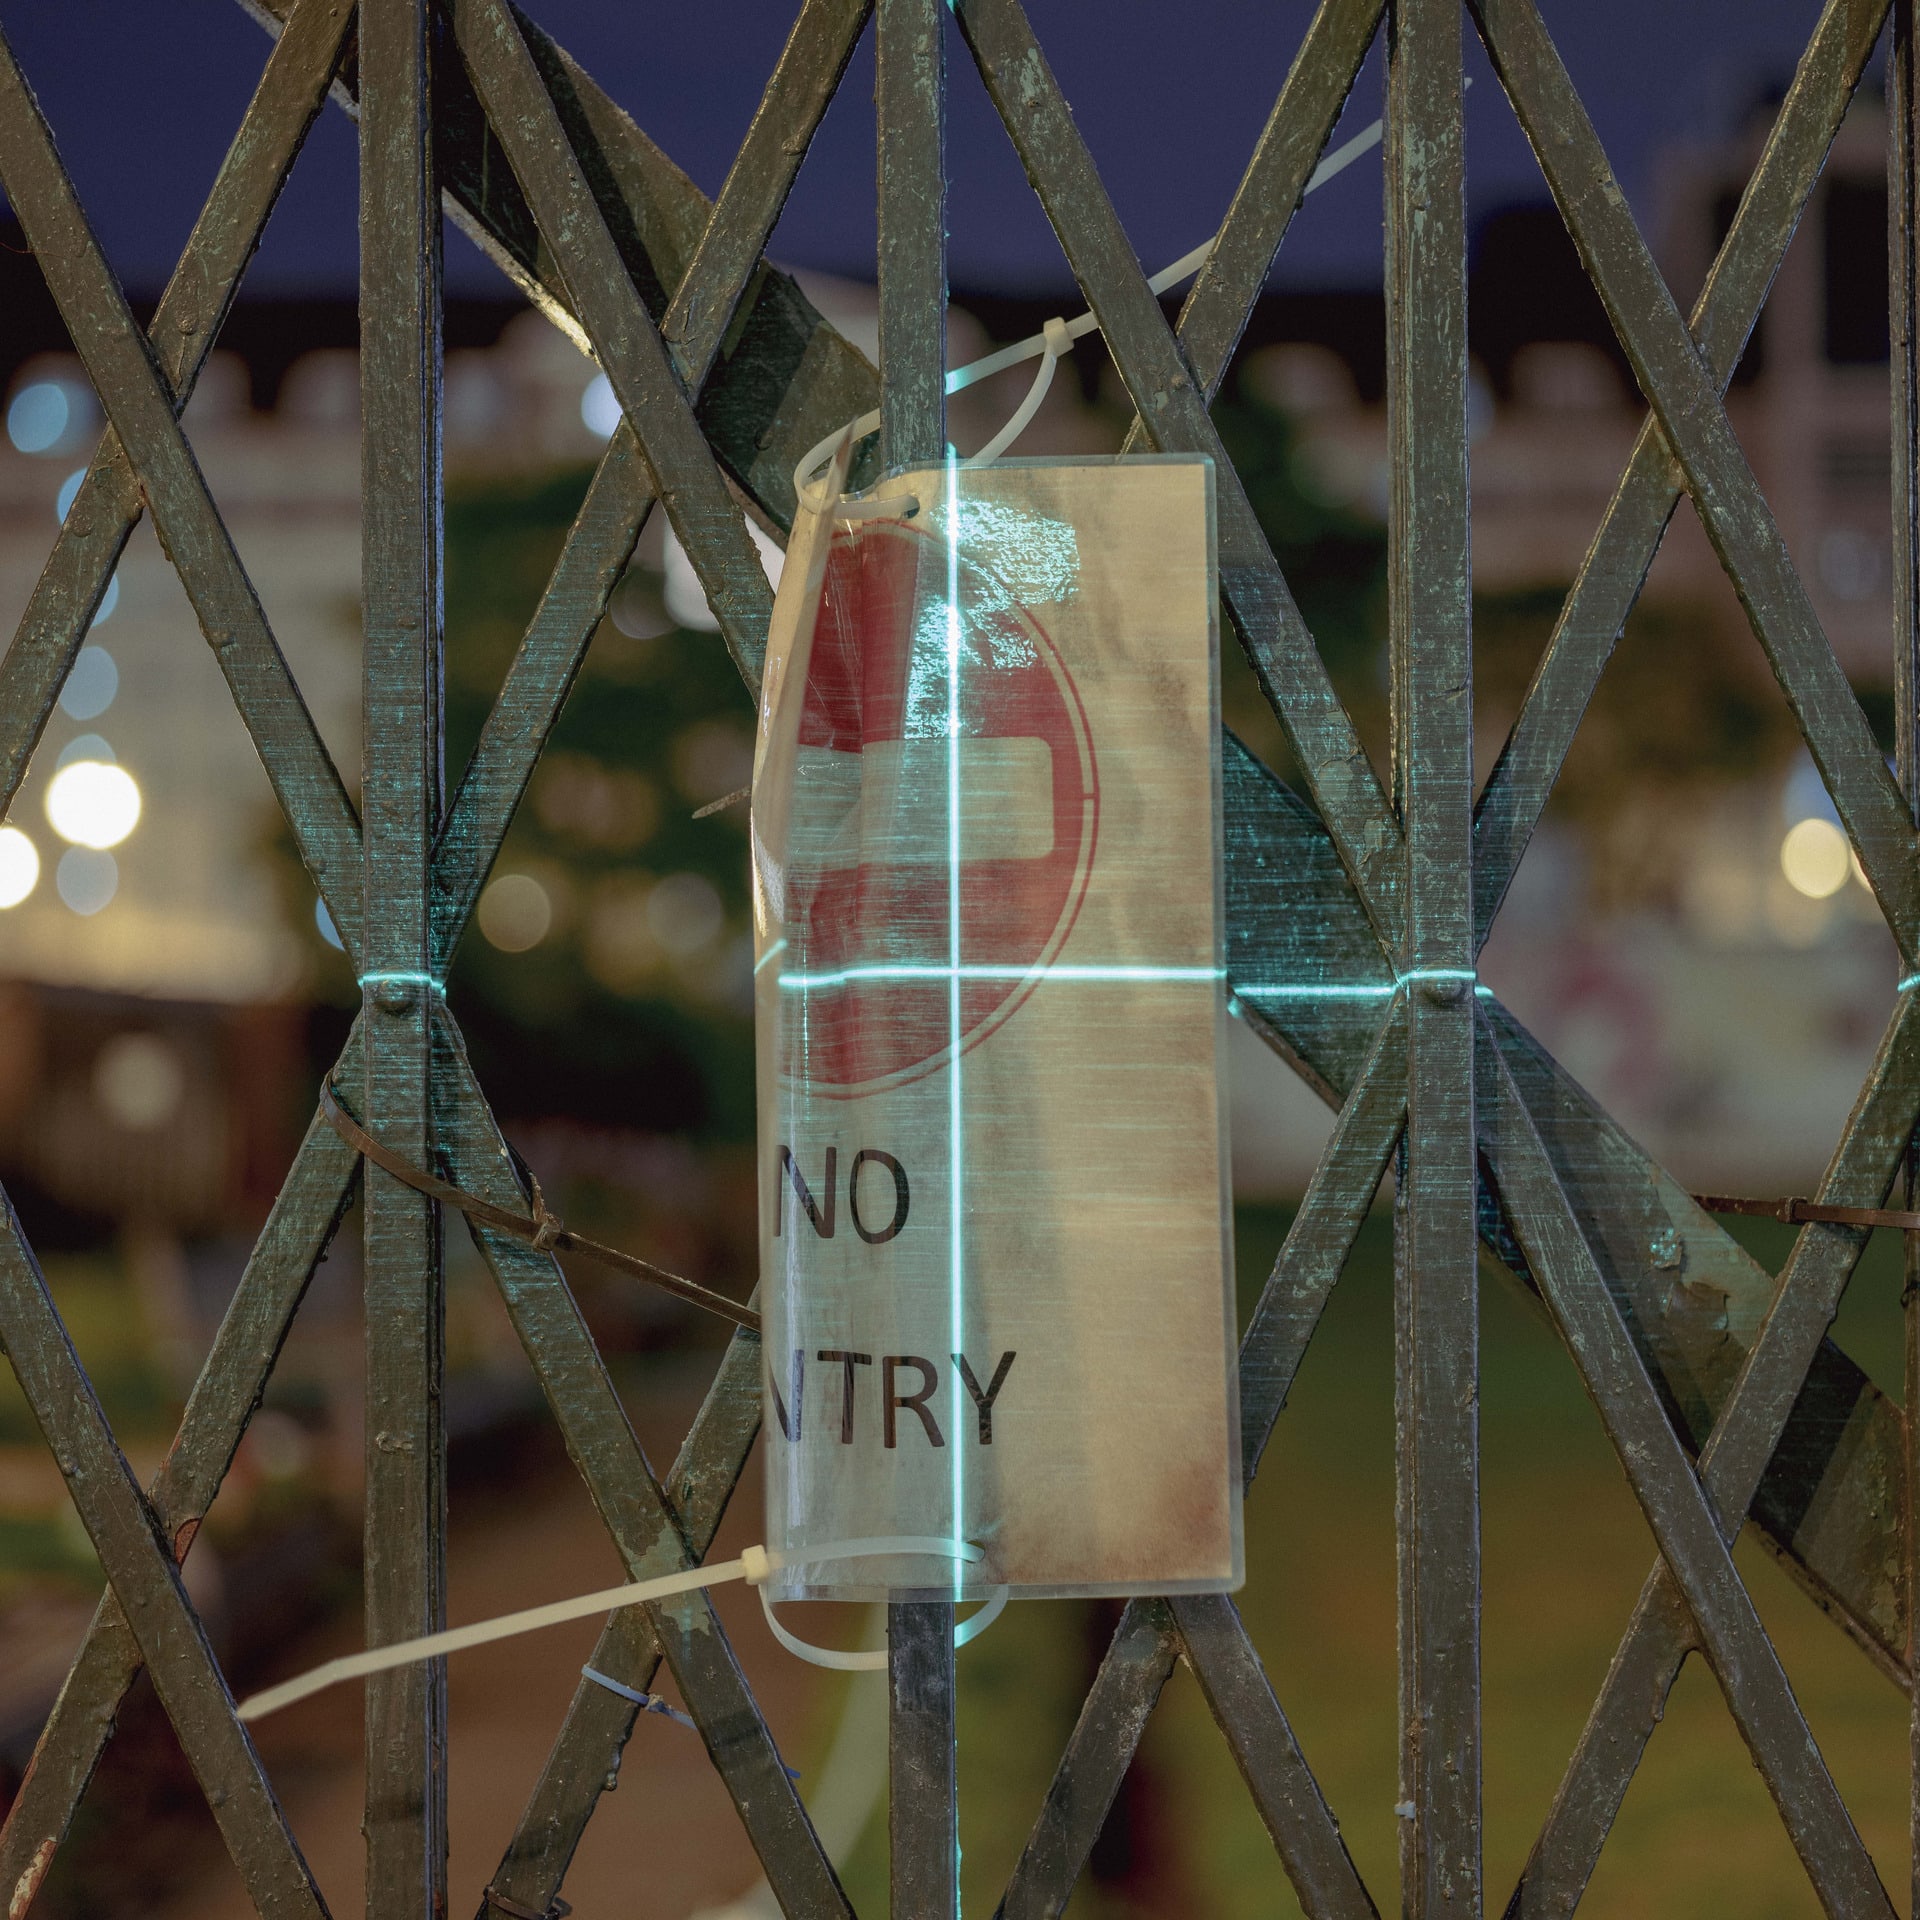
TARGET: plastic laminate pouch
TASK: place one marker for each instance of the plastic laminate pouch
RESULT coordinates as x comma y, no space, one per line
995,1232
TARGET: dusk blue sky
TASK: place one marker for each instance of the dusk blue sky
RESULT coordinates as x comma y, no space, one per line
144,95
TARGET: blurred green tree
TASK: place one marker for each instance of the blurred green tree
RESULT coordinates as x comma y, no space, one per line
607,974
1334,559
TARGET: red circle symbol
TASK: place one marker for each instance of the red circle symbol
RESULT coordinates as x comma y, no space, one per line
939,721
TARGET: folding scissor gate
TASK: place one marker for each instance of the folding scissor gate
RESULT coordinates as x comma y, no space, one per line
725,376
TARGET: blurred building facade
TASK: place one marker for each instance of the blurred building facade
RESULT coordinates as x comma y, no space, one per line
1722,1015
1726,1011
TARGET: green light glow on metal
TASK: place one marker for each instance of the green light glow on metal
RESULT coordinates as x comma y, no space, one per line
405,978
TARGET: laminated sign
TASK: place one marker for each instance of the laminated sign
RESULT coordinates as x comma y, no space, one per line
994,1227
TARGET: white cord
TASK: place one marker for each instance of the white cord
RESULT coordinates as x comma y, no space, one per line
755,1565
1056,338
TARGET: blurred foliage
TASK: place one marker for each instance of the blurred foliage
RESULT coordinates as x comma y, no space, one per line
1653,741
1334,559
631,1008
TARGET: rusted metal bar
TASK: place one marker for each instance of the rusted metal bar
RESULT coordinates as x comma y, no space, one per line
1678,1510
600,541
910,85
1903,330
1321,1236
585,1758
786,378
1138,1663
1694,424
141,1569
1142,1651
1292,1808
1165,395
1436,1237
923,1796
598,546
1732,1464
1695,1298
625,341
709,292
1234,275
646,1531
401,735
1615,566
305,1215
910,72
1212,1634
141,408
189,315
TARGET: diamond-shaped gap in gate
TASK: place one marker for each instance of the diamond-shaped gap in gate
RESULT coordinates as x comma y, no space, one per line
1656,938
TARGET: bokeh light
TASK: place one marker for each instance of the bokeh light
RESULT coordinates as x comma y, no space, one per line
324,921
600,407
684,913
139,1081
68,494
1814,857
91,686
93,804
19,866
85,879
86,746
515,912
39,416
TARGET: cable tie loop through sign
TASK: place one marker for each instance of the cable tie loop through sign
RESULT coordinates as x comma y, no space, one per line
872,1659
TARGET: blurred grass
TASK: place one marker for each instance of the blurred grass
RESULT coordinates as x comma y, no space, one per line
1564,1553
44,1541
110,1333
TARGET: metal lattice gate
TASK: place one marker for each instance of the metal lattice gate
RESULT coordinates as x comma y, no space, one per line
725,373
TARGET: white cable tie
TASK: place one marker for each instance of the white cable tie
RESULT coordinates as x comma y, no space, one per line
429,1646
1058,341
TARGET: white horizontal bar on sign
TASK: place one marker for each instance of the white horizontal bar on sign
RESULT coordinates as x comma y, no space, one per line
893,803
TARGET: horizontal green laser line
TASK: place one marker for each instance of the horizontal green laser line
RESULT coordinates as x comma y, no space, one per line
804,982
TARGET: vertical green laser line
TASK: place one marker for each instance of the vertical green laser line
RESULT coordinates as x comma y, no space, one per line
956,1164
